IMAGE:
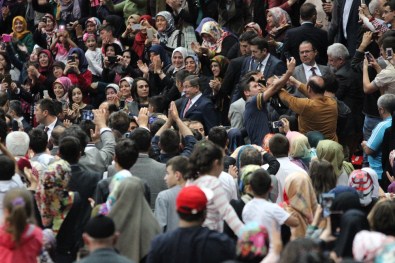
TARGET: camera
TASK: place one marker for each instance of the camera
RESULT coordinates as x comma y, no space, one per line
71,58
277,124
112,59
326,203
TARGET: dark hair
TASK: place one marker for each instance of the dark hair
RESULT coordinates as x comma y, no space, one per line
142,139
260,42
7,60
382,217
260,182
119,121
322,176
247,36
157,103
305,248
126,153
107,28
170,141
391,4
331,82
316,88
179,164
293,122
389,42
279,145
3,98
194,80
47,105
3,130
156,125
202,158
133,89
78,133
2,114
250,155
7,168
38,140
133,56
219,136
181,75
198,217
245,86
87,126
307,11
71,95
70,149
58,107
16,106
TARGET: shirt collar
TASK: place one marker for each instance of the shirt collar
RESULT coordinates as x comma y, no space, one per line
194,99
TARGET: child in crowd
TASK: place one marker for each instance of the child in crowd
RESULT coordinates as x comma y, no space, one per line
61,45
94,56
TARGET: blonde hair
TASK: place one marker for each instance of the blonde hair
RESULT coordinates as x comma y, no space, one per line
19,204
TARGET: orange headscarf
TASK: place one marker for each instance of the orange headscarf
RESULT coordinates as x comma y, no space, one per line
22,34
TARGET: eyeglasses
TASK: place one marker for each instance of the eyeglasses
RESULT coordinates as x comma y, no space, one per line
305,51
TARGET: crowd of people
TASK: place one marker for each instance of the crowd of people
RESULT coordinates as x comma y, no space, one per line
197,131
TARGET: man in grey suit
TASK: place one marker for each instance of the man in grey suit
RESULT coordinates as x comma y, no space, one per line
309,66
145,168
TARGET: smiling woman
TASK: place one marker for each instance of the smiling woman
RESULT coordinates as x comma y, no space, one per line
20,32
168,36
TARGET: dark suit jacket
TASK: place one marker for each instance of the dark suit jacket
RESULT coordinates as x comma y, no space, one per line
202,110
42,126
274,66
300,75
307,31
229,84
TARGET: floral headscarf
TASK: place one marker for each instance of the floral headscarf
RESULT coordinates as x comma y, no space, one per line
254,26
223,63
24,31
163,36
53,199
212,29
253,242
300,196
280,18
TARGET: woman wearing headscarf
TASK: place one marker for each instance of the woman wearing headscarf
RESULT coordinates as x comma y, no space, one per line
40,76
278,22
129,34
133,218
77,71
299,152
168,36
219,65
300,200
216,41
155,72
20,32
333,153
193,66
363,182
61,87
60,210
46,31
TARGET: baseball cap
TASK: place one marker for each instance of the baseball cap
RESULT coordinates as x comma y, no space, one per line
191,200
100,227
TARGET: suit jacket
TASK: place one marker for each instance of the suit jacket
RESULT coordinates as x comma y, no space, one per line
273,66
96,160
152,172
236,113
42,126
202,110
300,75
104,255
306,31
232,76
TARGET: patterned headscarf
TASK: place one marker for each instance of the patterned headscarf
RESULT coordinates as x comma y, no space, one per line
367,243
362,181
387,254
223,64
256,27
164,36
24,31
197,62
299,194
53,199
280,18
212,29
253,242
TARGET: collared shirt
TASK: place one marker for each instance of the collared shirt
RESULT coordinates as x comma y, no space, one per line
308,73
194,99
262,64
51,127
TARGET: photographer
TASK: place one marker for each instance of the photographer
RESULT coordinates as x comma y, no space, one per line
112,66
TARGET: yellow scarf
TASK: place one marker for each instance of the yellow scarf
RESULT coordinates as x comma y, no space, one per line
21,35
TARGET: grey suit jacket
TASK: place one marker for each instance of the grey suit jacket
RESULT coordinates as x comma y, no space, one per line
300,75
97,160
152,172
236,112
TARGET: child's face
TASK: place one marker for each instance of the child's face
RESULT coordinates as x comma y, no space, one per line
90,28
91,43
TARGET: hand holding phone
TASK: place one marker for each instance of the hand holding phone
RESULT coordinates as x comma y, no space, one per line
389,53
369,57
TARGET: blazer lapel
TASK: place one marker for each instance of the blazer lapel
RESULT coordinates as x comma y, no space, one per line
267,68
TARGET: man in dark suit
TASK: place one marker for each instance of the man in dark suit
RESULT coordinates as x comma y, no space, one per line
45,114
231,78
350,91
81,181
307,31
197,107
16,112
309,66
261,60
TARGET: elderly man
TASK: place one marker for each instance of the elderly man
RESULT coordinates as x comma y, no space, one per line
349,91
